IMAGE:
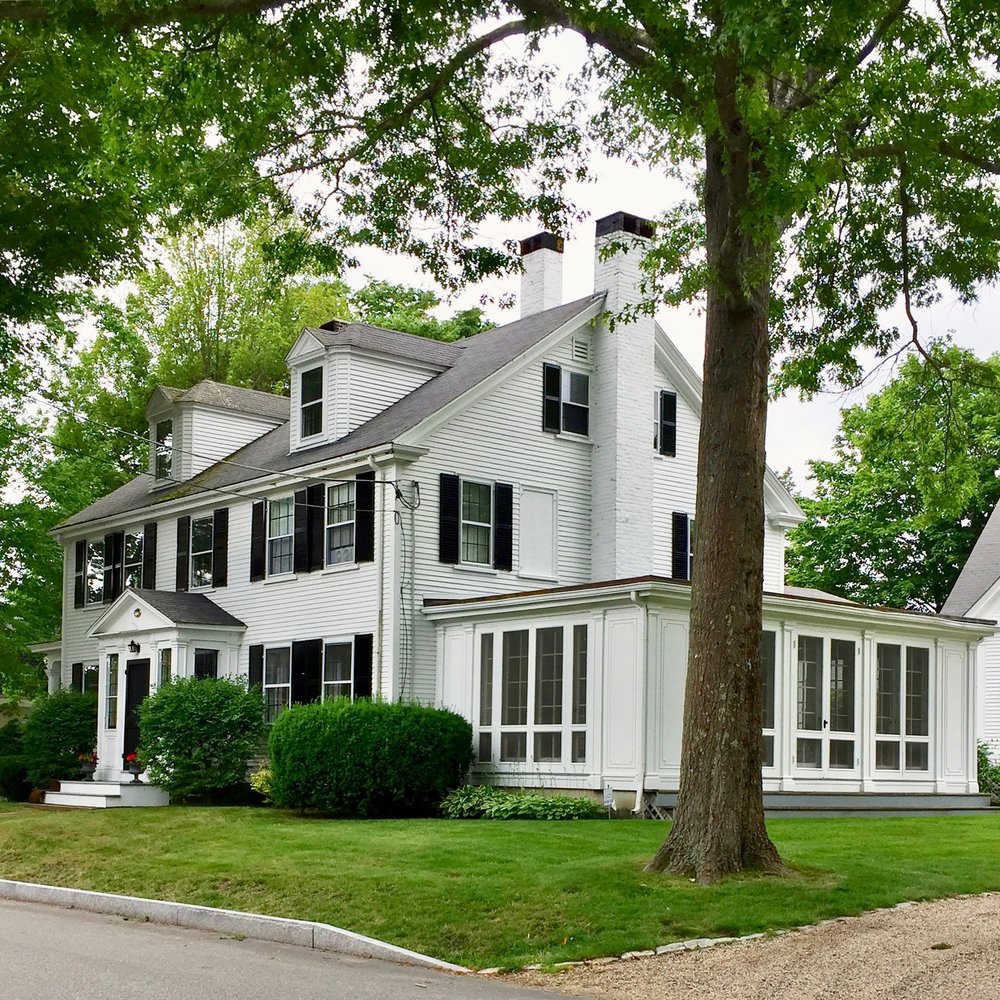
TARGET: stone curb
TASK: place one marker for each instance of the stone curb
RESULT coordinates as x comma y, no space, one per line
305,933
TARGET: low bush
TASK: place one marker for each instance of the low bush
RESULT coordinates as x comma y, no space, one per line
14,784
367,759
197,737
489,802
11,738
988,772
61,729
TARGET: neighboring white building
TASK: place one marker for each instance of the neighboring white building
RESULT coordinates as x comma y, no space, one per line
502,525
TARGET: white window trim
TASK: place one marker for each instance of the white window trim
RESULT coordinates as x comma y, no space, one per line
469,564
329,525
902,738
322,401
191,554
324,684
140,534
565,377
168,451
99,599
265,687
111,691
270,573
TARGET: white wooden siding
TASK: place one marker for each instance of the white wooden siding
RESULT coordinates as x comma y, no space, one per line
211,434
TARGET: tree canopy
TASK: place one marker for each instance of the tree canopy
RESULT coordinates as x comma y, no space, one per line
915,476
841,159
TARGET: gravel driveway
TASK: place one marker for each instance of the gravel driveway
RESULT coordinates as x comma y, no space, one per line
949,949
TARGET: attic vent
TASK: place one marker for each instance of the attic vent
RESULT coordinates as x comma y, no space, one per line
581,349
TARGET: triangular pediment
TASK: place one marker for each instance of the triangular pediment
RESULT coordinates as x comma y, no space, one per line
306,348
150,610
129,613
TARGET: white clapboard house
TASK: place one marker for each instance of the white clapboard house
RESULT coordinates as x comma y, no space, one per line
502,526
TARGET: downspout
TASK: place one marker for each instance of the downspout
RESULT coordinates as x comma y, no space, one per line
640,790
380,472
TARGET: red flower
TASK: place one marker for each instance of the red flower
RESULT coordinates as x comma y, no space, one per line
131,758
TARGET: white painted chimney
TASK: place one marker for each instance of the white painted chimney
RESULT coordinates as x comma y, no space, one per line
621,405
541,273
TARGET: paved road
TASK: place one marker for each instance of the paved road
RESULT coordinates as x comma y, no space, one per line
49,953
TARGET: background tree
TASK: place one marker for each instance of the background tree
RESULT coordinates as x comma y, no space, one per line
897,511
840,158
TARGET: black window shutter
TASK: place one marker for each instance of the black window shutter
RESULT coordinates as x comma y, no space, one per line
551,398
316,521
256,676
503,526
80,565
76,681
363,647
679,557
668,423
307,671
448,518
300,547
258,541
183,551
364,517
220,547
149,556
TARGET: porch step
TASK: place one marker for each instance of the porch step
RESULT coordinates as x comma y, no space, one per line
106,795
778,805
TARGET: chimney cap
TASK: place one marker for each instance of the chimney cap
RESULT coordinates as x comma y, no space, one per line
622,222
541,241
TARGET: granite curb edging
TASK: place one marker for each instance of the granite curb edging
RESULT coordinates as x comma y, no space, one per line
282,930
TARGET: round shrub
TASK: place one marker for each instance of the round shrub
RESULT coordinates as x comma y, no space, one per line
367,759
62,728
197,737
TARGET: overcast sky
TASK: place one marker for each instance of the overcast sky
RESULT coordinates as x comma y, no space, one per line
797,430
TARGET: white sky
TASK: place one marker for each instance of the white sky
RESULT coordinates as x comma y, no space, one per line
797,430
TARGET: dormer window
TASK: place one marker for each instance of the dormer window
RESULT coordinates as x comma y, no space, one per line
164,448
311,402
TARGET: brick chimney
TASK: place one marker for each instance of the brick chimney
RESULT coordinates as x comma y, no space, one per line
622,406
541,273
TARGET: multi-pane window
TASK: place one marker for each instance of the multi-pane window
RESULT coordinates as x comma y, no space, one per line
842,688
311,402
477,522
565,400
201,551
94,578
111,697
902,708
277,681
809,751
280,535
132,568
533,702
166,666
768,645
340,513
164,449
91,678
206,664
338,672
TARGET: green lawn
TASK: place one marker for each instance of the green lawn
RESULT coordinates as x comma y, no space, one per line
491,893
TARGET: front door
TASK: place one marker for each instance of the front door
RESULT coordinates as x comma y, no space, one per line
136,690
826,727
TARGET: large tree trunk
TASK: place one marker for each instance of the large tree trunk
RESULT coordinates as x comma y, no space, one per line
718,824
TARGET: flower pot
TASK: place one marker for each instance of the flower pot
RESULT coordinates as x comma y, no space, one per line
88,769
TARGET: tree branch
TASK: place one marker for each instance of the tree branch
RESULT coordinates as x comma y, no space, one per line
945,147
125,19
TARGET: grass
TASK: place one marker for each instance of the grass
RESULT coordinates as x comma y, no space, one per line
491,893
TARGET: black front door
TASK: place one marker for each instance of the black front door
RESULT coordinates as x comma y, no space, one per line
136,690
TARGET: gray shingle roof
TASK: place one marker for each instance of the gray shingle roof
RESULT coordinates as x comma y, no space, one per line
475,359
377,338
188,609
234,397
980,572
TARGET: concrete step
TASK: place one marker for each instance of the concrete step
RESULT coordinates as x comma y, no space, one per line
107,795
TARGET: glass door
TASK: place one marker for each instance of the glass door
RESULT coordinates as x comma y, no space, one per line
826,708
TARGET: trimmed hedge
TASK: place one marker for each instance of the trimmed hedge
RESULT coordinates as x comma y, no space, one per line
197,738
490,802
62,727
14,784
367,759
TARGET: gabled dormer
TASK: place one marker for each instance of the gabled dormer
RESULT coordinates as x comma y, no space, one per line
343,374
191,429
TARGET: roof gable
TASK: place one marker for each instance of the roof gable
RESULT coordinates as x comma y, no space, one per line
152,610
980,572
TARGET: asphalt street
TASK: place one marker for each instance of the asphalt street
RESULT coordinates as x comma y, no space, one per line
49,953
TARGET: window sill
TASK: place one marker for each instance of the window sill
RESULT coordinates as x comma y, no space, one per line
280,578
575,438
662,458
97,606
472,568
340,568
206,590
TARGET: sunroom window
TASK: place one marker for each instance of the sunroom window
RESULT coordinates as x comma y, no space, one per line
902,708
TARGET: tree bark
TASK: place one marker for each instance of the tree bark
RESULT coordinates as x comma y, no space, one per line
718,825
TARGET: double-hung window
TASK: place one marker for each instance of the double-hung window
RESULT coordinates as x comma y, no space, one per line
132,569
163,449
206,664
277,681
311,402
477,522
94,579
340,521
565,400
902,708
533,696
280,535
768,649
202,533
338,671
